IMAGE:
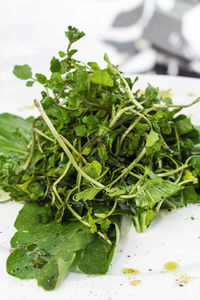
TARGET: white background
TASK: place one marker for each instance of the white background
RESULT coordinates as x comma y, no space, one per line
32,31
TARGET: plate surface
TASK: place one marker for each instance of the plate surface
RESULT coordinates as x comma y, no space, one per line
173,236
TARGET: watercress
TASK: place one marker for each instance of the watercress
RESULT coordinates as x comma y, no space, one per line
98,151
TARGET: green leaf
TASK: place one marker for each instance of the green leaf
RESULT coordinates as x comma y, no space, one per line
103,153
73,34
71,53
55,82
86,151
156,191
152,138
94,65
115,191
62,54
74,100
149,217
45,251
95,258
159,114
14,134
98,254
22,71
55,65
184,126
93,226
151,93
105,224
80,80
93,169
80,130
102,77
90,120
167,128
142,127
195,163
188,175
190,194
87,194
24,185
30,83
41,78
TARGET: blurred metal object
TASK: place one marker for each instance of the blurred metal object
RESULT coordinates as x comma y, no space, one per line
161,24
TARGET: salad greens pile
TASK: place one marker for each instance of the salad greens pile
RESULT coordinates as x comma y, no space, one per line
98,151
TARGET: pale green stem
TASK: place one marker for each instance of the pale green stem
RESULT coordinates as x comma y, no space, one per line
136,194
112,210
38,143
158,206
179,177
64,173
170,204
79,176
128,130
5,201
188,159
128,91
47,91
128,108
160,163
118,115
47,189
53,198
129,168
70,192
136,185
104,236
178,142
126,88
103,174
42,134
86,223
113,112
137,224
31,152
77,216
172,172
73,149
57,194
175,105
185,181
115,171
120,112
133,125
173,160
135,175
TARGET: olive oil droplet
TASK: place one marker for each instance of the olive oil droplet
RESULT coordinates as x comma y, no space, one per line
135,282
130,271
171,265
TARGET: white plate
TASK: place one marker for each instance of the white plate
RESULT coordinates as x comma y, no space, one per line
173,236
